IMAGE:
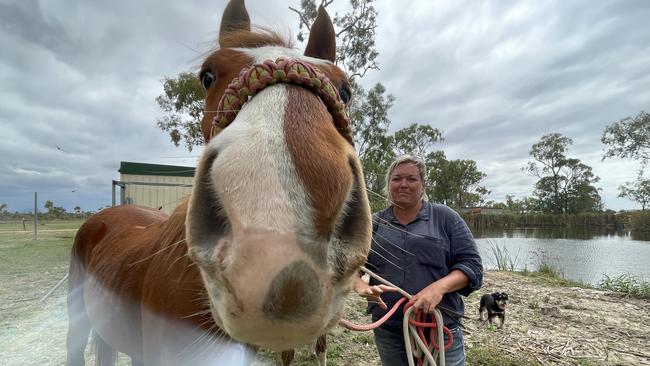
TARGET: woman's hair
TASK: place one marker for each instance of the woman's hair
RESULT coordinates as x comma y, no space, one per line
407,159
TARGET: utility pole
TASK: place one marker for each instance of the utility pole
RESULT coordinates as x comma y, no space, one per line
35,215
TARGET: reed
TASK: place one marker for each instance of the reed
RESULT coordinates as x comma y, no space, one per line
599,219
638,221
502,258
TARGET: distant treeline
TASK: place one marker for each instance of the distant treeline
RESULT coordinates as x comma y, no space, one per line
634,221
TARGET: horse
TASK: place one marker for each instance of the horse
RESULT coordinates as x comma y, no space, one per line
266,248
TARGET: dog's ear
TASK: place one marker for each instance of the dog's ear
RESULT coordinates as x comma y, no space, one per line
504,295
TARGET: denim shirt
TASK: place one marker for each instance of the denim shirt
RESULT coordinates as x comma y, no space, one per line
415,255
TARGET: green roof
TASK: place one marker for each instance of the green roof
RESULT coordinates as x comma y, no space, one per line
127,167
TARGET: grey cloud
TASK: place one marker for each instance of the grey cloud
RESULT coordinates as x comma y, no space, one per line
494,76
26,20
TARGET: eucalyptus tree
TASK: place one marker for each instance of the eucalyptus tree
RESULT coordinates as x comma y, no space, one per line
638,191
565,184
456,183
628,138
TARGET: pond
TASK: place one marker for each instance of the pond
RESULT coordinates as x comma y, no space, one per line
579,254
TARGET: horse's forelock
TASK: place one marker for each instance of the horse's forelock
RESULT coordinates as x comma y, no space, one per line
260,37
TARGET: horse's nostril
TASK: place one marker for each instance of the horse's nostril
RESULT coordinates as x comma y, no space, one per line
294,293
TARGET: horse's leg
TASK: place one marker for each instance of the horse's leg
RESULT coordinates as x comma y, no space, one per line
287,357
78,323
321,350
105,355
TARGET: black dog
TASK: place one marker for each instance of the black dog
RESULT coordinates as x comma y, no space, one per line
495,304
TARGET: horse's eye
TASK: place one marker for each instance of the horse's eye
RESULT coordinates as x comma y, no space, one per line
345,93
207,78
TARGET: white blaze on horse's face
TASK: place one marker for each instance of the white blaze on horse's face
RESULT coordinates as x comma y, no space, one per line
278,221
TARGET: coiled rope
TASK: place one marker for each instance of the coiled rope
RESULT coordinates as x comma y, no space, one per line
413,326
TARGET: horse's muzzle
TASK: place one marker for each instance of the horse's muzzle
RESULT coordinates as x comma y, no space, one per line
269,292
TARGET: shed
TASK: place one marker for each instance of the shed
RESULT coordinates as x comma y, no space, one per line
154,185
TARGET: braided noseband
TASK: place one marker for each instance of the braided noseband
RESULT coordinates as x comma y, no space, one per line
257,77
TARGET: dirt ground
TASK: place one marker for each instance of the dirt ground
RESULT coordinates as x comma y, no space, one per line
544,323
564,325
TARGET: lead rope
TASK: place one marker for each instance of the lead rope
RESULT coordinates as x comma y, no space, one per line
412,328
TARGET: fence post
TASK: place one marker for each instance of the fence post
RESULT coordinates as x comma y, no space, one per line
113,193
35,215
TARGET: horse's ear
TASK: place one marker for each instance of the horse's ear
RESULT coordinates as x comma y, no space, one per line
234,18
322,39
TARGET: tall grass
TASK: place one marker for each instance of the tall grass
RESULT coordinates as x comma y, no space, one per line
638,221
546,265
626,284
508,220
503,260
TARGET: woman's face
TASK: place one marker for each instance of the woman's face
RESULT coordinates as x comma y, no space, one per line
406,186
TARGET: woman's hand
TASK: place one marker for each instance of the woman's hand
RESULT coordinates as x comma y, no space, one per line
430,296
373,293
426,300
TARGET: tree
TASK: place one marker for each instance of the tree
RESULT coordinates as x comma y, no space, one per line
183,100
564,185
456,183
629,138
356,50
578,195
370,122
54,211
416,139
549,155
522,206
3,210
638,191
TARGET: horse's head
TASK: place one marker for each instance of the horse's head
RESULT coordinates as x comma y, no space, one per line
278,221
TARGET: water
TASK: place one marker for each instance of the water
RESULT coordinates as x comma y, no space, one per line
580,255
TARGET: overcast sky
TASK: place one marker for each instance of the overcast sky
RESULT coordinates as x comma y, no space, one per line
78,81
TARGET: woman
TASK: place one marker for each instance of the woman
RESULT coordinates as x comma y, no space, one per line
425,249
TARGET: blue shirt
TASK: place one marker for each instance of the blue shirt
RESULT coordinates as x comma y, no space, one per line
415,255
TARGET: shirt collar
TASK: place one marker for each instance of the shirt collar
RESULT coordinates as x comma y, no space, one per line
422,215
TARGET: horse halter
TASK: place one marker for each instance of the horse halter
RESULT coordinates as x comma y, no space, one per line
281,71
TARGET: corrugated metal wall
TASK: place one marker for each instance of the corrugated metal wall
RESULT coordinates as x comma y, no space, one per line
154,196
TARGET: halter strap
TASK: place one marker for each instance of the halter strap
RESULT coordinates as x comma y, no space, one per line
281,71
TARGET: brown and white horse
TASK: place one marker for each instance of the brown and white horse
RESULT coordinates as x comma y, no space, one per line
265,251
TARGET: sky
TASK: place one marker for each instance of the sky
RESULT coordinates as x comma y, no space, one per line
78,81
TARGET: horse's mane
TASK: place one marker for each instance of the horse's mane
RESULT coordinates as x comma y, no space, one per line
259,37
174,229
